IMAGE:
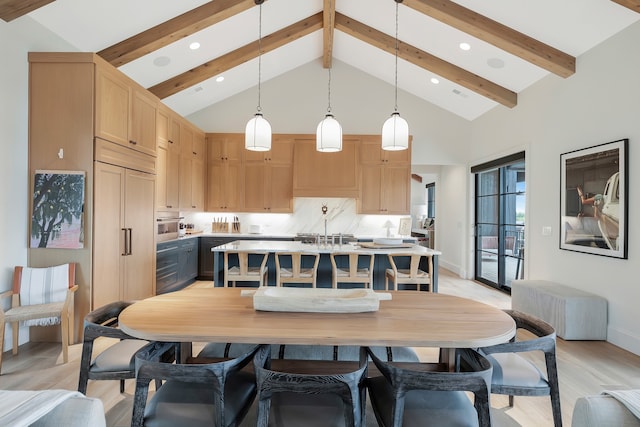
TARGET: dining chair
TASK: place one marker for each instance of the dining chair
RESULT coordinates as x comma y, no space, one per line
412,275
41,297
345,268
514,375
426,395
117,361
198,394
320,393
244,270
294,267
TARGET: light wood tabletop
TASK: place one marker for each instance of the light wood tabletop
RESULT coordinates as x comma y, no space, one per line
412,319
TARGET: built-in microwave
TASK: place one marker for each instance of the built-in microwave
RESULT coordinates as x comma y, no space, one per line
167,228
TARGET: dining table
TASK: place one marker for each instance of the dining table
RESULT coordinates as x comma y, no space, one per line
403,319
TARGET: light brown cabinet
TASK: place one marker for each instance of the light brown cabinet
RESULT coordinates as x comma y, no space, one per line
123,227
125,113
76,103
224,172
385,186
191,168
168,161
268,178
317,174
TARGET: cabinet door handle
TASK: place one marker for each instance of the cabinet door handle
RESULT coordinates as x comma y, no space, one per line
132,142
124,230
130,245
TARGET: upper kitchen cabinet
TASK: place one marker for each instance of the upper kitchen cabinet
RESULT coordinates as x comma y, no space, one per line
224,172
385,179
191,167
168,160
317,174
125,112
268,178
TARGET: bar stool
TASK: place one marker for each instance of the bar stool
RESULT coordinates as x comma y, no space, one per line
243,272
296,273
351,273
412,275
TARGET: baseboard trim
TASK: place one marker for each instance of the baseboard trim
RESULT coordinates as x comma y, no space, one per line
624,339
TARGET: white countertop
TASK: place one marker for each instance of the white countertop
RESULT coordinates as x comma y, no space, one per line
295,246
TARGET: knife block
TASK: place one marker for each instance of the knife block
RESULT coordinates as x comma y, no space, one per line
220,227
235,227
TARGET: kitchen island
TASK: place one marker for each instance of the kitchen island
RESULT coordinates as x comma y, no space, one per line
381,262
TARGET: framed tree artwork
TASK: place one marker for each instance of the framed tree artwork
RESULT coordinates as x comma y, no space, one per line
594,199
58,209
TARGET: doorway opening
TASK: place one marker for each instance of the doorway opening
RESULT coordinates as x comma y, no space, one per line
500,221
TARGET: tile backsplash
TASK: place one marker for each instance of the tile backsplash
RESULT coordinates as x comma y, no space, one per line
307,217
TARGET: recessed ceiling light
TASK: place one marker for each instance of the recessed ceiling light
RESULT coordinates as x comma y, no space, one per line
194,46
219,79
495,63
434,80
161,61
465,46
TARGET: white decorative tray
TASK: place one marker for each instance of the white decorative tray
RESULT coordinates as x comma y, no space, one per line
318,300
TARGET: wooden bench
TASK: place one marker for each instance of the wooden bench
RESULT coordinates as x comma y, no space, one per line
575,314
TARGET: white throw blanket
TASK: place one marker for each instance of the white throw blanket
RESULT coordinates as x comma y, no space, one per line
44,286
20,408
629,398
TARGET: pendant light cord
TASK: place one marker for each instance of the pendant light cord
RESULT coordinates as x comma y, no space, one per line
259,56
396,78
329,91
329,96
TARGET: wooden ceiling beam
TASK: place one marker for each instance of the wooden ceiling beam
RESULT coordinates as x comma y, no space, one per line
328,24
239,56
173,30
427,61
499,35
631,4
12,9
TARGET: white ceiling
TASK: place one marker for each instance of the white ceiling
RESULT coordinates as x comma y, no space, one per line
572,26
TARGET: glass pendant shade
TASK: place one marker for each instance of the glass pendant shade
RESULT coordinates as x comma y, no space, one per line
329,135
395,133
257,135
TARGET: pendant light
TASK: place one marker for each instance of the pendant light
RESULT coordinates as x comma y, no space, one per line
395,131
257,135
329,131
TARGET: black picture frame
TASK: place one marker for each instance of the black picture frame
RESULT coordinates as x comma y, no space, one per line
594,207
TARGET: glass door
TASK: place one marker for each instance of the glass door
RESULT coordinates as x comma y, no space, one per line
500,222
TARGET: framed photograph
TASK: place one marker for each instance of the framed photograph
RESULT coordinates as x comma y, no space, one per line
58,209
594,199
405,227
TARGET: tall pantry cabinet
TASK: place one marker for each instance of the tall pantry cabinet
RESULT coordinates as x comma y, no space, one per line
84,115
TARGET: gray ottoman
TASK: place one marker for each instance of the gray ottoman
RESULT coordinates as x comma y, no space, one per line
575,314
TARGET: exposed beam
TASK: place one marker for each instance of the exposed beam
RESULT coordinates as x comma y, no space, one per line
497,34
427,61
12,9
173,30
631,4
239,56
328,23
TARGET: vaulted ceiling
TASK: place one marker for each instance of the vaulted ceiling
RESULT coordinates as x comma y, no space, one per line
513,43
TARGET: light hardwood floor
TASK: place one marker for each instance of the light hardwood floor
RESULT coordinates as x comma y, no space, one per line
585,367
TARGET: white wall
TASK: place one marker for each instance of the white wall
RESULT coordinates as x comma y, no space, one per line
18,38
599,104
